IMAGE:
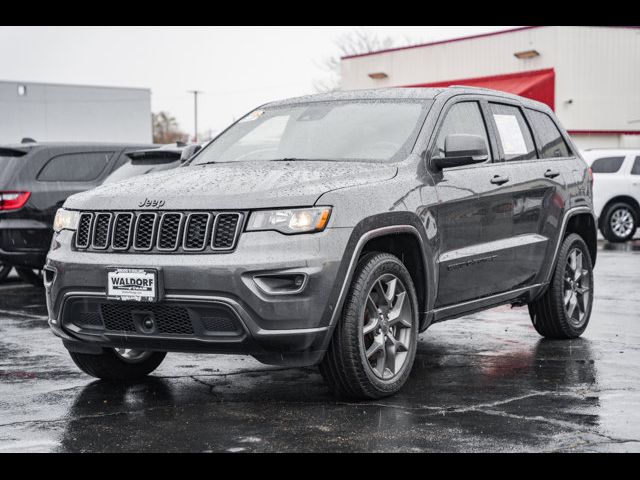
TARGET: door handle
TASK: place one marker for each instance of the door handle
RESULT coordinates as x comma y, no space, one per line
498,180
551,173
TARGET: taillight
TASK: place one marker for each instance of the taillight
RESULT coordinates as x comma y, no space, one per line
590,172
13,200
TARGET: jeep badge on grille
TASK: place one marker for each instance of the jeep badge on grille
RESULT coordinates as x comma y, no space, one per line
147,203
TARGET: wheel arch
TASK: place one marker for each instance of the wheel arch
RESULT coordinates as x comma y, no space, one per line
583,224
402,234
406,246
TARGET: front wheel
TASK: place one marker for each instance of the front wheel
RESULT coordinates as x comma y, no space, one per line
374,344
564,309
118,363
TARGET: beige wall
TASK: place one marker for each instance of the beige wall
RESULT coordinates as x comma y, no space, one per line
597,68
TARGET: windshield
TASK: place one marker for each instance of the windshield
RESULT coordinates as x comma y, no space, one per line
337,131
133,169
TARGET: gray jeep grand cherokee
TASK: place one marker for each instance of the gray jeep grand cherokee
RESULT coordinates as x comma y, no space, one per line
331,230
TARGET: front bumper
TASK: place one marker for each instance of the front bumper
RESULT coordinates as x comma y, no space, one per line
289,329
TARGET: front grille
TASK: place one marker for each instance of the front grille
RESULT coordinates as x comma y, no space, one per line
226,229
89,319
196,231
219,320
169,231
121,239
169,320
84,230
159,232
101,227
145,230
194,319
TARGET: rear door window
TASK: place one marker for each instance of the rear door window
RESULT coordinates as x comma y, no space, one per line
75,167
552,145
607,164
635,170
513,133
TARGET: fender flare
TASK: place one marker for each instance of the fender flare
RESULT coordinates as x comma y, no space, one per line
374,227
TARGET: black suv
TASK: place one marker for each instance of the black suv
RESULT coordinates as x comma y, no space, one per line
331,230
35,180
144,162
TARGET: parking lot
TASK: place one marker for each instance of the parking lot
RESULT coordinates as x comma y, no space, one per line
486,382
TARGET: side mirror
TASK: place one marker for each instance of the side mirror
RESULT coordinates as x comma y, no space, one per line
189,152
462,149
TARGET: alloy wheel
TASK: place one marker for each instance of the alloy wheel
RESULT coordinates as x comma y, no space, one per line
622,222
577,283
387,327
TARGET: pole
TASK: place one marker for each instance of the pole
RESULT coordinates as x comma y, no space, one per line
195,112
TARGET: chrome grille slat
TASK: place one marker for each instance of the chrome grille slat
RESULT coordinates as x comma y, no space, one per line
83,235
145,231
225,231
196,232
169,232
160,232
101,231
121,235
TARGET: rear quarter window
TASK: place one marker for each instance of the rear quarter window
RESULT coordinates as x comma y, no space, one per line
75,167
635,170
607,164
552,145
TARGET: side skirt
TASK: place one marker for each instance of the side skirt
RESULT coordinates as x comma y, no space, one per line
517,296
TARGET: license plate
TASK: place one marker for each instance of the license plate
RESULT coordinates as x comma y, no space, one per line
132,285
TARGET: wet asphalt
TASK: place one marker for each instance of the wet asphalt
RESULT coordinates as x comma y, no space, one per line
486,382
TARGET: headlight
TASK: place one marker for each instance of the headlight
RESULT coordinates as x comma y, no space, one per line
294,220
65,220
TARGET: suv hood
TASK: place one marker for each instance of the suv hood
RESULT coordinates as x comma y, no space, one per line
241,185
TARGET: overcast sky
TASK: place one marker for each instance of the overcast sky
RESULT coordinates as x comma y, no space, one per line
238,68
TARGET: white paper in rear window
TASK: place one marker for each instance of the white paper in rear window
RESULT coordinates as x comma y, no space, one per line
510,135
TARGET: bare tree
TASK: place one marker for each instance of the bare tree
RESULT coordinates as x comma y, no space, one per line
166,129
353,43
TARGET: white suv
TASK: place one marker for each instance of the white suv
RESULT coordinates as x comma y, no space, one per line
616,191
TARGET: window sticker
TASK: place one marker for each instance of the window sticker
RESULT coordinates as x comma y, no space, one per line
510,135
256,114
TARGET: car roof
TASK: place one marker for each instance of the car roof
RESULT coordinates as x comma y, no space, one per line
599,152
402,93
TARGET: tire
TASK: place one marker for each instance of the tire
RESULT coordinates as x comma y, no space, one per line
4,271
619,222
551,315
111,365
30,275
346,368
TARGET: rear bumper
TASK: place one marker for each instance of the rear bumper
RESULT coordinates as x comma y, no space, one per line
24,243
291,329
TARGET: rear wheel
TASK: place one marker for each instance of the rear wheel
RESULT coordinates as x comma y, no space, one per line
118,363
30,275
564,309
374,344
4,271
619,222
